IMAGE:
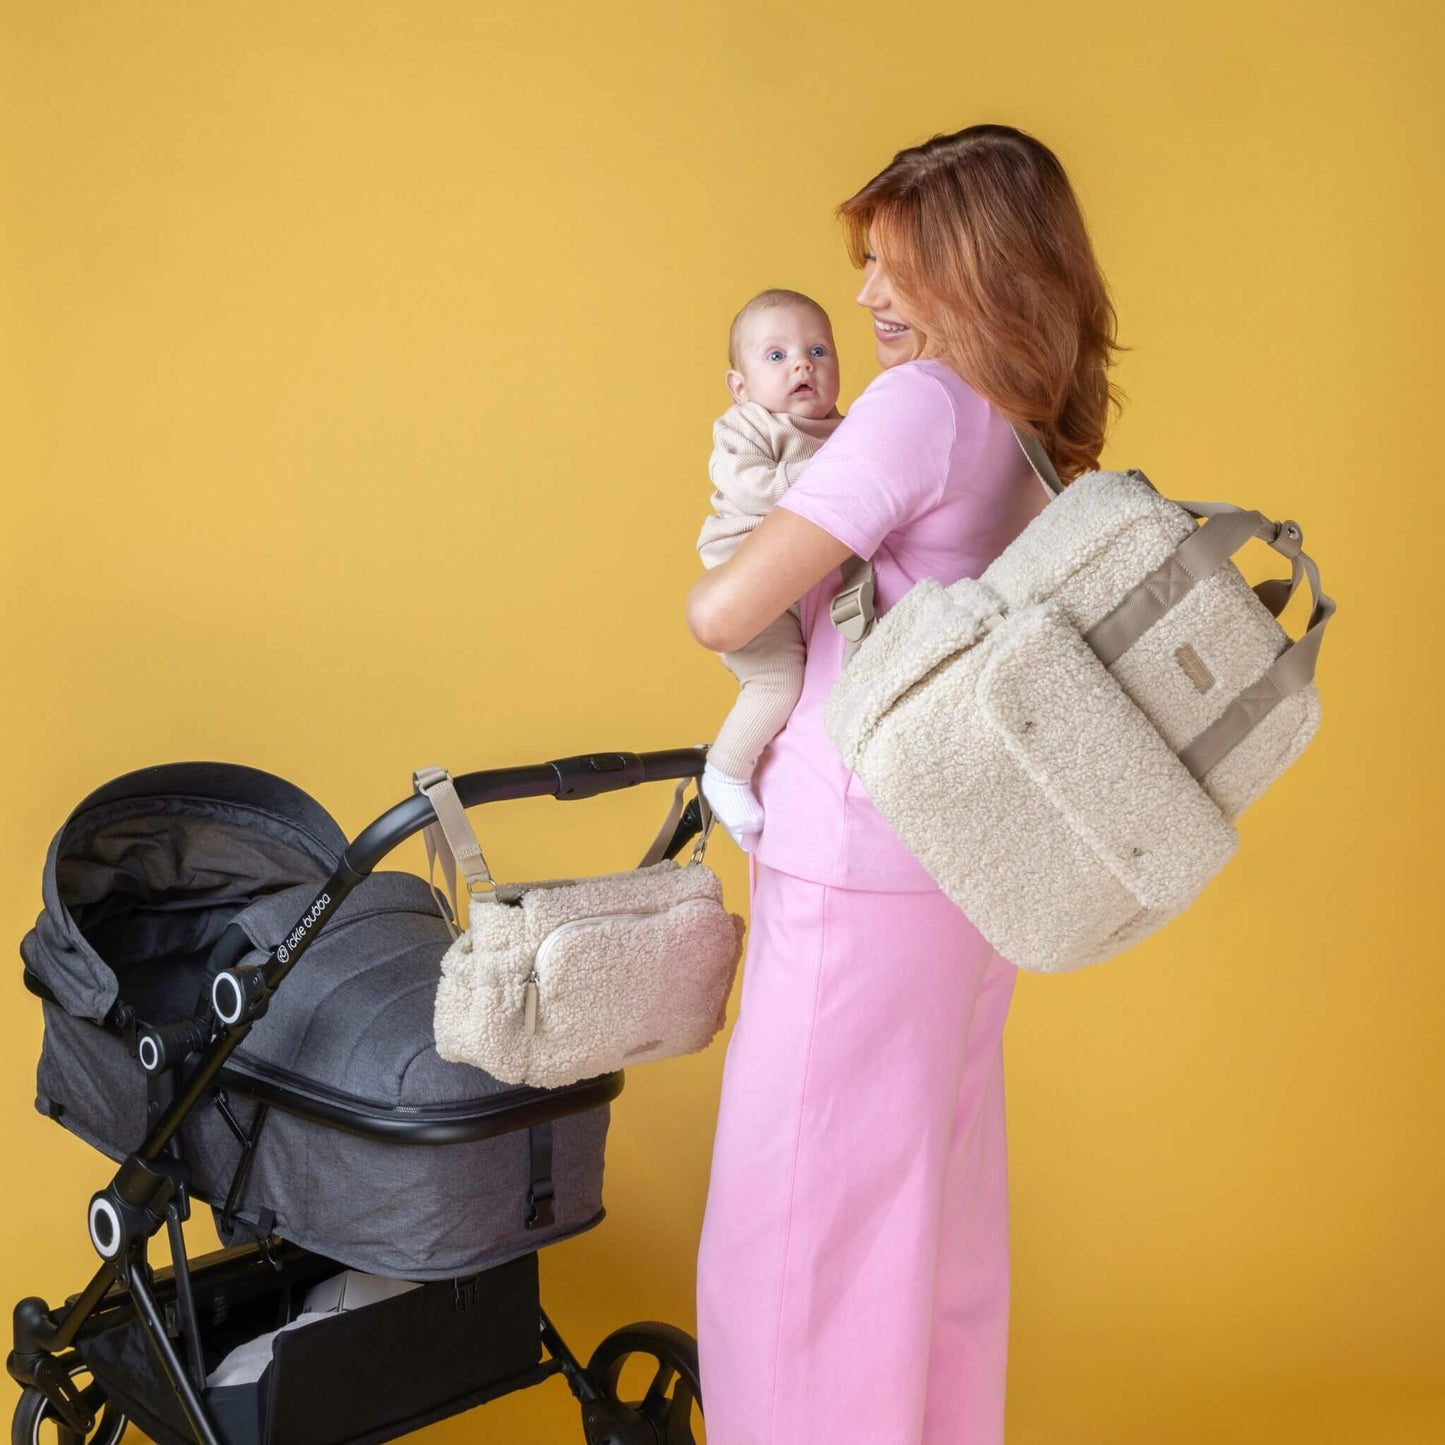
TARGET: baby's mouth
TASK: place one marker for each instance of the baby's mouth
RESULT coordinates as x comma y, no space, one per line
804,388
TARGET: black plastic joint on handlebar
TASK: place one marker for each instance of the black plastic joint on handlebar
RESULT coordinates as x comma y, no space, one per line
588,774
148,1186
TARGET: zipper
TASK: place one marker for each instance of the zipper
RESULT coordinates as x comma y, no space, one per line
530,994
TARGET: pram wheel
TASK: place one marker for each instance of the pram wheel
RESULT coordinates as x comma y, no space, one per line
670,1410
36,1423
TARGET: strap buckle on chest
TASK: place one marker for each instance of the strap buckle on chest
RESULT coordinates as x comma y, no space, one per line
852,609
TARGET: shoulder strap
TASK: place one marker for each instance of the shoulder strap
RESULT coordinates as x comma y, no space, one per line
852,606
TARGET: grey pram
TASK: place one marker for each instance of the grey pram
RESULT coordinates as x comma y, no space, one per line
315,1119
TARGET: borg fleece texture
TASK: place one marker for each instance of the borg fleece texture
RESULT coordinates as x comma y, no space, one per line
1040,788
630,967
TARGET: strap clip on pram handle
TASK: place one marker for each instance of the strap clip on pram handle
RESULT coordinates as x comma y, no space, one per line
452,838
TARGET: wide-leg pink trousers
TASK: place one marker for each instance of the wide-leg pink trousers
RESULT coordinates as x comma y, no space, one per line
853,1269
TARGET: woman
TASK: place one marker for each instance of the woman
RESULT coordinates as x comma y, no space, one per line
853,1270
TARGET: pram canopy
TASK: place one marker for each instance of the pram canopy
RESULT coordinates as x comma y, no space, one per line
146,873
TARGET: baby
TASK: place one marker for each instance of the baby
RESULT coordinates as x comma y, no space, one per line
783,377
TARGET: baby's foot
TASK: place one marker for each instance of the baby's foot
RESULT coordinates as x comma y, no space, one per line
734,805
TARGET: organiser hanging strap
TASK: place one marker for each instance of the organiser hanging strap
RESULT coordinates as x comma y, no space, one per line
659,844
452,839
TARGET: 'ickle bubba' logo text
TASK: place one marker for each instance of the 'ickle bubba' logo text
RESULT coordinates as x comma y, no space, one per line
297,934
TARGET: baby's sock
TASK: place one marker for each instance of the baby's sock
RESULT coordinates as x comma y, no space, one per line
734,805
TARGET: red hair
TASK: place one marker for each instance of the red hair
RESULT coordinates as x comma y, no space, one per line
984,244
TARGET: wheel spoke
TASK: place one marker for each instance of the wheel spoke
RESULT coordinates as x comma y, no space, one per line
655,1399
679,1416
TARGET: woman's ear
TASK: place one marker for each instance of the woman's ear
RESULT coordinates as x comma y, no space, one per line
737,384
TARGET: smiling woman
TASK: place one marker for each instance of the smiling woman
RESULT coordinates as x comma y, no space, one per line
877,1250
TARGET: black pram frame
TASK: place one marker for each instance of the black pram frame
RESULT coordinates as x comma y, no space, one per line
185,1062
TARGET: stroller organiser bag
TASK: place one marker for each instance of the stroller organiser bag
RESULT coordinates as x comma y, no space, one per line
563,979
1066,741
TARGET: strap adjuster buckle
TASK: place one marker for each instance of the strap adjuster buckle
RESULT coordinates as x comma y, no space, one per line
849,610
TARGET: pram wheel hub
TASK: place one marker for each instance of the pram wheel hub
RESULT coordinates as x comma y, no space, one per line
670,1407
36,1422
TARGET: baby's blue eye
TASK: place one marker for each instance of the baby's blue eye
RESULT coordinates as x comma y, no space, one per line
820,350
774,352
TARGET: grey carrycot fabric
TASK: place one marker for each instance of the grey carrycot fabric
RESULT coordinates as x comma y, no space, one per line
140,882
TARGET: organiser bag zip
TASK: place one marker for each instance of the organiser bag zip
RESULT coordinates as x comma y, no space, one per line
1066,741
563,979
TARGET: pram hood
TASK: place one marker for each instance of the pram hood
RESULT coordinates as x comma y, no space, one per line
148,870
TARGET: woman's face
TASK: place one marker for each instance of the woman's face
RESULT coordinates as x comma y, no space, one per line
892,332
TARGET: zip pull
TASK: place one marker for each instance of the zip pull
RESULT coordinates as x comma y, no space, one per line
529,1006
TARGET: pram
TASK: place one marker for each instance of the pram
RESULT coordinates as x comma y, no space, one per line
316,1120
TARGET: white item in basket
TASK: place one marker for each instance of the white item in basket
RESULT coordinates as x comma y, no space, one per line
247,1362
351,1290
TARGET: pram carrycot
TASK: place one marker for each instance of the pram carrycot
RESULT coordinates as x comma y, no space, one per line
316,1119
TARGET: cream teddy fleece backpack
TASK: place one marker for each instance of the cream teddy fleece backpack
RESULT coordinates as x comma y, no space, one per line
1066,741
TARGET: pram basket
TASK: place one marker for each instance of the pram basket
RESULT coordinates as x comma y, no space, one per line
316,1120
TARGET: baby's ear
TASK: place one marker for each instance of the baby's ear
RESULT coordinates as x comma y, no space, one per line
737,384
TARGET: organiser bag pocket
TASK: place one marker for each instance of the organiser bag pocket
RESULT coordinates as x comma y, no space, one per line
570,1001
1114,831
574,981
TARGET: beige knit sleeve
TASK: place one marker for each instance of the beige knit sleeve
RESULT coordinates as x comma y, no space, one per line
756,456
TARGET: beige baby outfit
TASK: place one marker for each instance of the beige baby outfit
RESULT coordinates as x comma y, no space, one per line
756,456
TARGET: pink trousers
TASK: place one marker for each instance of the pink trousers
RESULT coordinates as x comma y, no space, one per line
853,1269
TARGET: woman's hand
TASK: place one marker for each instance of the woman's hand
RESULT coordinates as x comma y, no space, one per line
775,564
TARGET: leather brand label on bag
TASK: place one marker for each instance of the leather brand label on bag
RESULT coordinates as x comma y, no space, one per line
1194,667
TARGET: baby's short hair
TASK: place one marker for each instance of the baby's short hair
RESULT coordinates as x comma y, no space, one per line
776,296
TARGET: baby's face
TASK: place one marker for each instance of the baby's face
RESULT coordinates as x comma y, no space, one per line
787,362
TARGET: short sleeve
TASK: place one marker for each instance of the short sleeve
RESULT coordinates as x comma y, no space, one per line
886,464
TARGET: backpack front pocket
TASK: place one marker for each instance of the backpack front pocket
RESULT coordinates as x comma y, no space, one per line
1113,810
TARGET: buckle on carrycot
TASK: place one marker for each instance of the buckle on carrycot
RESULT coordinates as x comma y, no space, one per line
539,1194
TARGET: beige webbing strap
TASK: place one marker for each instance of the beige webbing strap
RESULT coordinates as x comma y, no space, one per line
1197,557
1292,670
1274,592
452,840
669,825
658,846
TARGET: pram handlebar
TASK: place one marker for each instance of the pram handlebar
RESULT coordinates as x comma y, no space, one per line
582,776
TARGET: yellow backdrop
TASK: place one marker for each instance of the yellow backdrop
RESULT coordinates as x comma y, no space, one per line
359,368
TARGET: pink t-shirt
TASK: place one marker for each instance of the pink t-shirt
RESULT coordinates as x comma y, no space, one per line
924,477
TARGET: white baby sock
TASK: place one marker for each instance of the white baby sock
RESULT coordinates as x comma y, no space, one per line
734,805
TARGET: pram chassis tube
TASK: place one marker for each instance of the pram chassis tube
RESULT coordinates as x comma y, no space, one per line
139,1204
